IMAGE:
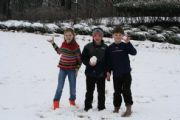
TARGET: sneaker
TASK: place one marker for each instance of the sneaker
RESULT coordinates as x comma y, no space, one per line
72,103
55,105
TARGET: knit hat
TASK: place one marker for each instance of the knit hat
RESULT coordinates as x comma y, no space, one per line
97,30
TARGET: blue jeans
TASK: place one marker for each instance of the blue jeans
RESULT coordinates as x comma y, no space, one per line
72,84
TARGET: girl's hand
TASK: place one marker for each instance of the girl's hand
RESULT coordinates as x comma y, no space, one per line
126,39
76,72
51,40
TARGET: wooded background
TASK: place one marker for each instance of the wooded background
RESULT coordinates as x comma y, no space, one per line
52,10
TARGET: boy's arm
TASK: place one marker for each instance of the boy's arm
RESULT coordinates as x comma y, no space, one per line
85,56
57,49
130,49
108,60
108,64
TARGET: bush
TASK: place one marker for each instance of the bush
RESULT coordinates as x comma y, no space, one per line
59,30
158,29
2,26
157,38
152,32
38,27
127,27
82,29
175,29
51,28
175,39
143,28
29,29
168,34
140,36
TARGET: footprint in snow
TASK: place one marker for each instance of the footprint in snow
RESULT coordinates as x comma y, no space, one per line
40,116
84,116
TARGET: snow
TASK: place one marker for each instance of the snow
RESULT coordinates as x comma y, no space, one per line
27,24
52,27
152,32
37,25
141,33
82,26
135,29
28,80
65,25
106,29
78,26
160,35
178,35
13,23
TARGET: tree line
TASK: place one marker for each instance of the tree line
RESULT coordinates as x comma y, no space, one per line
53,10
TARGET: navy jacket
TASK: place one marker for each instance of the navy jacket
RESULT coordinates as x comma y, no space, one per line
99,51
118,58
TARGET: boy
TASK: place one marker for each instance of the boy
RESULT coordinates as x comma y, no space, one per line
119,64
93,57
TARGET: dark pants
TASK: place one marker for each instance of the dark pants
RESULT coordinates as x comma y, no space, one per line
90,86
122,85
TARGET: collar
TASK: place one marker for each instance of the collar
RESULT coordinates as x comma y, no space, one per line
94,43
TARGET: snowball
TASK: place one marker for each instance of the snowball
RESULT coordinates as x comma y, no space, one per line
93,59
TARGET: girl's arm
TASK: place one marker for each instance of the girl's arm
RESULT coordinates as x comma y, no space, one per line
57,49
78,58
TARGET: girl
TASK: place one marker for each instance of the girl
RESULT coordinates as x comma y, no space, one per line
70,62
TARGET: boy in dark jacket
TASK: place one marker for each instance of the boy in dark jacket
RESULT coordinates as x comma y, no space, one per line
93,57
119,64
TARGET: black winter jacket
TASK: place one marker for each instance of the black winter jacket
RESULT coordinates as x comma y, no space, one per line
99,51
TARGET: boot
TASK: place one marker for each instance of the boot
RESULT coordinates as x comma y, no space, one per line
101,108
128,111
55,105
116,110
87,109
72,103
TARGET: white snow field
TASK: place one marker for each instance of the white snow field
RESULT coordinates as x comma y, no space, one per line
28,80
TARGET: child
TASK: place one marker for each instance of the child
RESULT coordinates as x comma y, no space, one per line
93,57
119,64
69,64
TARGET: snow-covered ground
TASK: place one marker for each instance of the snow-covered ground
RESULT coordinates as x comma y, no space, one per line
28,80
